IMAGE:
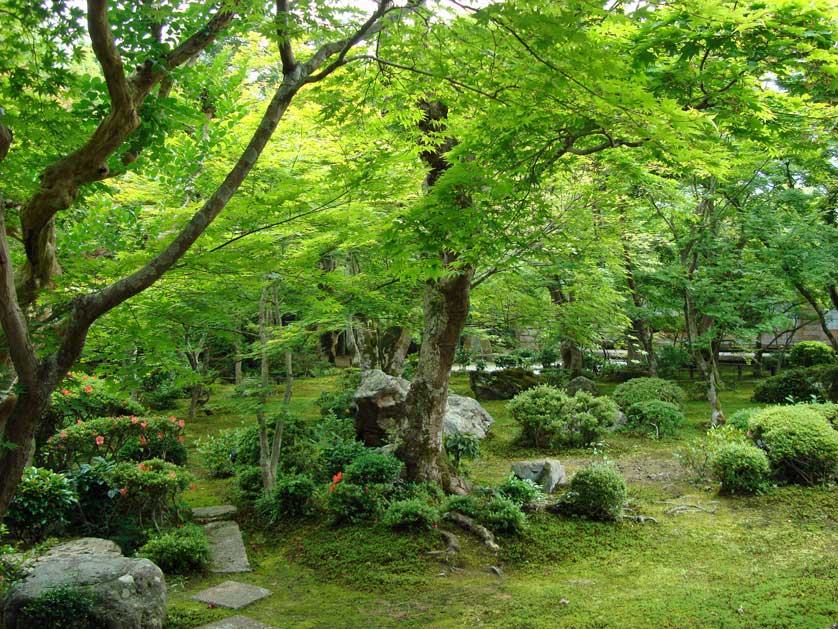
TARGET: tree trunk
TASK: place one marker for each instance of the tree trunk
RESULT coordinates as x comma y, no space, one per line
705,361
394,347
571,356
819,311
446,305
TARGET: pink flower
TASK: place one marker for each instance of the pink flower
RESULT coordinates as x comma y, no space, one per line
78,421
144,424
88,389
182,423
63,434
143,467
65,392
100,440
134,420
123,491
143,440
173,419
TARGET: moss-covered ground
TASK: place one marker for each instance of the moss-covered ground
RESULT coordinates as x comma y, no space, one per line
765,561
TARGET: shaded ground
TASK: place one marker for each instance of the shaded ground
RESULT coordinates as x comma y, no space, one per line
767,561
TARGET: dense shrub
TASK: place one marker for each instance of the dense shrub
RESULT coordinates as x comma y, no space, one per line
290,498
799,385
339,456
120,438
469,505
298,447
85,397
62,607
556,377
596,492
811,353
348,502
218,452
505,361
655,417
42,504
648,389
247,485
161,389
502,515
520,491
697,454
411,514
150,490
430,493
741,418
830,412
551,417
178,551
548,357
741,468
340,403
671,359
372,468
801,444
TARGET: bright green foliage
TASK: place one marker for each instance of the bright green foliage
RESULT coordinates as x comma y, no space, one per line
655,417
339,403
218,451
339,456
503,515
121,438
469,505
411,514
150,490
83,397
741,468
550,417
520,491
596,492
741,418
811,353
348,502
43,504
792,385
461,447
829,410
648,389
248,484
801,444
670,360
290,498
178,551
373,468
697,454
63,607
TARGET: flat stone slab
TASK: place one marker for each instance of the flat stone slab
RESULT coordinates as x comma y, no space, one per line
232,595
211,514
237,622
227,552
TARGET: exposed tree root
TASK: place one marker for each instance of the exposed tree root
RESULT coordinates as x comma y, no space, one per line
465,522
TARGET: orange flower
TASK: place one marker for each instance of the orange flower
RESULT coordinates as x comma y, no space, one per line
88,389
172,419
337,477
65,392
159,436
182,423
144,424
143,467
172,475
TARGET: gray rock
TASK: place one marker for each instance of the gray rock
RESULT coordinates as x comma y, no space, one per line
549,473
212,514
227,552
464,415
231,594
131,593
581,383
380,410
84,546
237,622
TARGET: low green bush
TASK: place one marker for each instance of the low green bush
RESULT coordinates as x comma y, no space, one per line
800,443
503,515
371,468
818,383
830,412
150,490
461,447
741,468
178,551
550,417
697,454
741,418
218,452
348,502
290,498
62,607
247,485
339,456
469,505
411,514
596,492
811,353
42,504
639,390
654,417
520,491
299,450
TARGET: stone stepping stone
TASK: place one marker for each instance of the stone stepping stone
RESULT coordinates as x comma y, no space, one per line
237,622
214,513
232,595
227,552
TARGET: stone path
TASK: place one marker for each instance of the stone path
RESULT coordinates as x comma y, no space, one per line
202,515
237,622
227,552
231,594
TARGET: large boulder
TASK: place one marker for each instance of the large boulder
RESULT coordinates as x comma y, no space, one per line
581,383
380,411
549,473
464,415
503,384
130,593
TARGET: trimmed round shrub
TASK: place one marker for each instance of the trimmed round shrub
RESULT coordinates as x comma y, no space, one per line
520,491
818,383
741,418
373,468
801,444
502,515
42,504
469,505
829,410
597,492
811,353
339,456
639,390
741,468
62,607
290,498
178,551
550,417
655,417
348,502
411,514
150,490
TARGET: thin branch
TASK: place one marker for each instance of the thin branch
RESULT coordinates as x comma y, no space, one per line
107,54
286,53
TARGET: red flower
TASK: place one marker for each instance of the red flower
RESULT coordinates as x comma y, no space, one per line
65,392
63,434
143,440
182,423
337,477
100,440
88,389
123,491
332,488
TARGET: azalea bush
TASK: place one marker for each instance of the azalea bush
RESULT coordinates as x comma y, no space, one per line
374,468
647,389
353,503
150,490
292,497
179,550
219,452
120,438
42,504
84,397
